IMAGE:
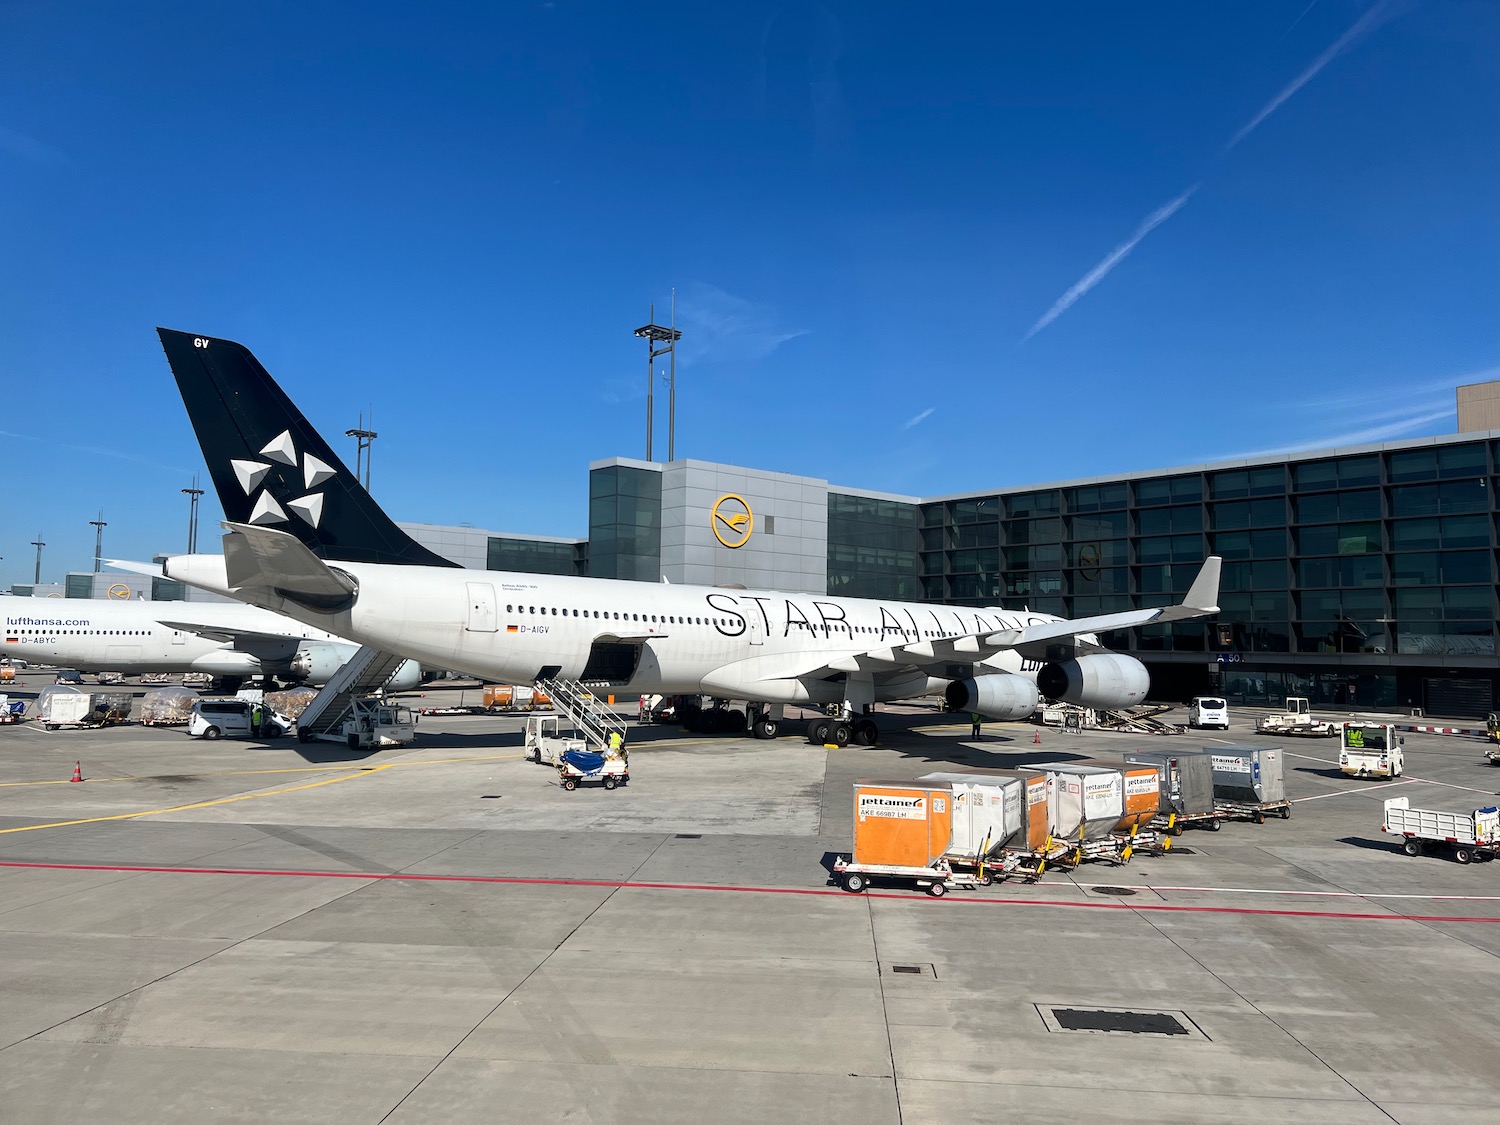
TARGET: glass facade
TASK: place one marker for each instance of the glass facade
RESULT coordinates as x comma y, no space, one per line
1347,567
534,556
625,523
872,548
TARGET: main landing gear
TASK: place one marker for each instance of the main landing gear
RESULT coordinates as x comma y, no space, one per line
825,731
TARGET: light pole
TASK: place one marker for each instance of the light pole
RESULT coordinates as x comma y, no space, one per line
365,453
98,525
666,335
38,544
193,494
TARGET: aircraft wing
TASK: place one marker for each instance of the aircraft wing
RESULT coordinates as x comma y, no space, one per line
1201,600
224,633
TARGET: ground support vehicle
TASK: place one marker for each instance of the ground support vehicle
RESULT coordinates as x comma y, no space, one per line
546,744
1468,836
1297,720
1493,756
7,674
1370,750
1208,711
233,718
12,711
373,722
580,767
936,880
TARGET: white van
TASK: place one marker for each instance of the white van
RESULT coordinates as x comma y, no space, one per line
221,718
1208,711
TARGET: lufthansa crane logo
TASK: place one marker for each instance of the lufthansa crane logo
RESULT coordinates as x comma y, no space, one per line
119,591
732,520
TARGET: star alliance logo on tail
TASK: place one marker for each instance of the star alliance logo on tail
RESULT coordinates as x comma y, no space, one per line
282,450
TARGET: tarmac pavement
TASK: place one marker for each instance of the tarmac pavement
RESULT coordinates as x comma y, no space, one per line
230,931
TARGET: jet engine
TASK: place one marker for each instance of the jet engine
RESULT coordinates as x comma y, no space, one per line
316,664
222,662
1001,696
1104,680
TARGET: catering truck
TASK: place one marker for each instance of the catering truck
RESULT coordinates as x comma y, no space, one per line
1370,750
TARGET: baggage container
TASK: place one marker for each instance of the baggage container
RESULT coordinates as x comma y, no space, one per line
902,823
1083,799
988,812
1248,775
1185,780
168,706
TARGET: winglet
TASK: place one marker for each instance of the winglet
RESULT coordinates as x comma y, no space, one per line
1203,594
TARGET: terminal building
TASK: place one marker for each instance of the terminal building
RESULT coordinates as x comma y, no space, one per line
1362,577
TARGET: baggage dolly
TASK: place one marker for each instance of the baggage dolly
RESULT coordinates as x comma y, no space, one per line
1257,812
936,880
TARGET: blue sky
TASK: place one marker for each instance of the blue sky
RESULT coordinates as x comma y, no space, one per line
919,248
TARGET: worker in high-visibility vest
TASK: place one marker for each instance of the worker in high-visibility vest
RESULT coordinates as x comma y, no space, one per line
616,744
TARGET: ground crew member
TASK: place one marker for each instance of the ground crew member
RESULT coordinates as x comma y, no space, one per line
255,721
974,718
616,741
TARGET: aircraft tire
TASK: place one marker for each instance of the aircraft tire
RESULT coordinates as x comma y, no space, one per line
734,721
839,733
817,731
866,733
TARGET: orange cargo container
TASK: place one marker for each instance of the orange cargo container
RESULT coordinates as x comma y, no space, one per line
498,695
540,699
1142,796
901,823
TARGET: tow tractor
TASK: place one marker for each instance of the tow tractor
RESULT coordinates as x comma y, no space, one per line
374,722
1492,734
1370,750
1297,719
546,744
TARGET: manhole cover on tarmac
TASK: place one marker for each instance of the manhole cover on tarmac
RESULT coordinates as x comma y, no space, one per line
1123,892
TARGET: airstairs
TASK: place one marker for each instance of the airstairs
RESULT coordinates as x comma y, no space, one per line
576,700
365,672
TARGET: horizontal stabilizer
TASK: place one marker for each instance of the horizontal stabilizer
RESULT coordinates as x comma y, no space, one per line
263,558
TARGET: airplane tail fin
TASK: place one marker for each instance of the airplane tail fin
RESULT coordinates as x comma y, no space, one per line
270,468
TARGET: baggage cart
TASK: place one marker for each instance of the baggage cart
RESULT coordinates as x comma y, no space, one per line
1468,836
583,767
1186,789
936,880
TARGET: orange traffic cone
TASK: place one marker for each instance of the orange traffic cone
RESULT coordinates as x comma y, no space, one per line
1036,739
77,772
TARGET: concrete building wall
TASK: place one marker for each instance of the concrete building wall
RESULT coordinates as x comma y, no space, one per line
1479,407
787,545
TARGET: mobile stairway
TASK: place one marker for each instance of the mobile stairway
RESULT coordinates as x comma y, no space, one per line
577,702
345,694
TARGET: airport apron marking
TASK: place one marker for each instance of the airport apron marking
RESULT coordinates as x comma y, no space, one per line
827,892
362,771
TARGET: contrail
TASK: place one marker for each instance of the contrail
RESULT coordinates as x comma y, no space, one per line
1111,260
920,418
1365,22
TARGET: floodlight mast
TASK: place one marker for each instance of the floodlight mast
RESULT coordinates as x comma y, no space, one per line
365,453
666,335
192,494
98,525
38,544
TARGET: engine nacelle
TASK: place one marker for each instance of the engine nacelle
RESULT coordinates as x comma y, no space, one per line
1103,680
316,664
223,662
1001,696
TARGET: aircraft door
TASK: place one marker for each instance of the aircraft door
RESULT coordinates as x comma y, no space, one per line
753,630
482,616
178,637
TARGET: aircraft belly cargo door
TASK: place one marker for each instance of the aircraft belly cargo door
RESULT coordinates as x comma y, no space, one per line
482,617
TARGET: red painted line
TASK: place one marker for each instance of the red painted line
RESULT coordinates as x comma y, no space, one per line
513,880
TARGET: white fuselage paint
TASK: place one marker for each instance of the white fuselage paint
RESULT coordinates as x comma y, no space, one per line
95,635
739,644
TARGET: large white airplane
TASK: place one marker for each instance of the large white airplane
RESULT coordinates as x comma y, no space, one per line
304,539
229,641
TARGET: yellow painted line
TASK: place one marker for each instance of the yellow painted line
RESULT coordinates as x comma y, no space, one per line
256,773
362,771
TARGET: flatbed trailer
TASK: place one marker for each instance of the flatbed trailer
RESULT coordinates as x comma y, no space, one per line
937,880
1173,824
1252,811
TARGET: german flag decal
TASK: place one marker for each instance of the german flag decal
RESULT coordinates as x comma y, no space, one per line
512,628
